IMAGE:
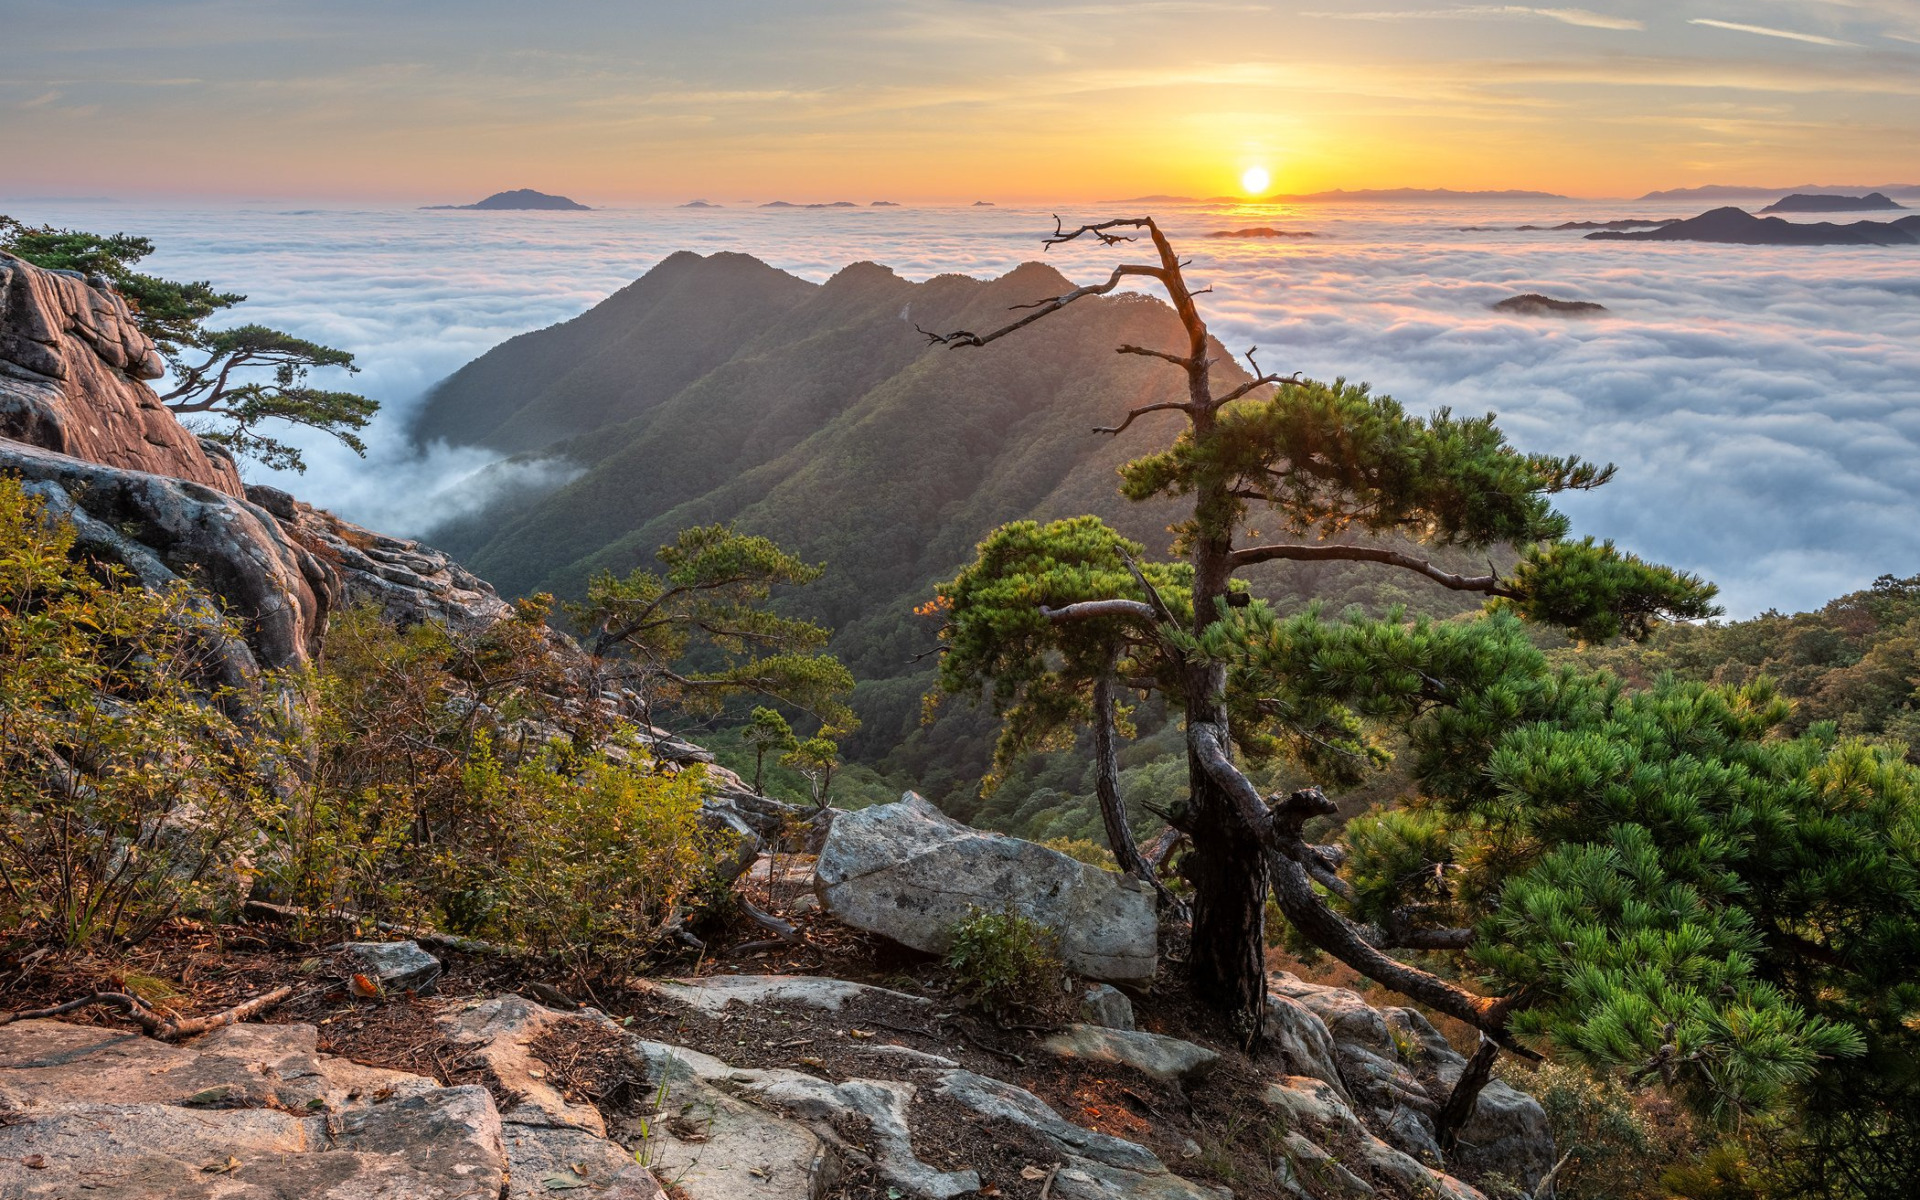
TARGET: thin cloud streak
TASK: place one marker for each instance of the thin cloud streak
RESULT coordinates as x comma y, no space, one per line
1768,31
1569,16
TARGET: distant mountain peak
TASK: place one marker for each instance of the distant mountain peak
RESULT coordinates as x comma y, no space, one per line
1737,226
519,200
1808,202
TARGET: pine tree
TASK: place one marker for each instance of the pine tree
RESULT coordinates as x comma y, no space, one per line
1331,460
240,378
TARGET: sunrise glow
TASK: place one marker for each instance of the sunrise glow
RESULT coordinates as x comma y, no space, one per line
1254,181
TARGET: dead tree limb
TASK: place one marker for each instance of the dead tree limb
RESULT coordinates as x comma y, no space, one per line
166,1029
1459,1107
1143,410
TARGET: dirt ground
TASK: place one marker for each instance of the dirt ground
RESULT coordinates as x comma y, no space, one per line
1216,1133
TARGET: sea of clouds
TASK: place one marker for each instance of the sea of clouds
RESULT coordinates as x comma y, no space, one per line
1762,403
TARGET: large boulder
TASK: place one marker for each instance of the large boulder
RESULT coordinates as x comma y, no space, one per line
164,529
908,871
71,365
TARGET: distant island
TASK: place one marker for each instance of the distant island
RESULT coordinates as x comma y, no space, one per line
1805,202
1533,304
1261,231
701,204
520,199
1737,226
1727,191
1624,223
983,204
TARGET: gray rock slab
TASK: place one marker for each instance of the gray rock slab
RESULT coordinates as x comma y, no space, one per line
712,1145
553,1144
1094,1166
1106,1005
249,1112
1152,1054
881,1106
398,966
909,872
712,993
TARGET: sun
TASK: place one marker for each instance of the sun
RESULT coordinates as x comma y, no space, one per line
1254,181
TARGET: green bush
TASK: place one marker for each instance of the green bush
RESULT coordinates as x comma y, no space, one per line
1002,962
125,795
459,782
604,858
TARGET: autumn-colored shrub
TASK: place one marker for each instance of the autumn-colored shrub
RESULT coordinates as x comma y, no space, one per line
126,791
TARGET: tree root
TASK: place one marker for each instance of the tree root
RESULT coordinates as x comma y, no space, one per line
166,1029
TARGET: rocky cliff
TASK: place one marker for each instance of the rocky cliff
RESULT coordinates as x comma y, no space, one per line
71,366
81,426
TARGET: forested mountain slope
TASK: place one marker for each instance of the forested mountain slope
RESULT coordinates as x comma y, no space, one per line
720,389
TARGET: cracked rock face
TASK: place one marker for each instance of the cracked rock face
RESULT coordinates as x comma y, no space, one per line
250,1111
1387,1071
71,366
164,529
909,872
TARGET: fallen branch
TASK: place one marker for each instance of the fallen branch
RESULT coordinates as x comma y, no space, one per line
166,1029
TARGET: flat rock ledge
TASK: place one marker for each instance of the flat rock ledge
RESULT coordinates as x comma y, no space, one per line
909,872
247,1111
253,1112
1152,1054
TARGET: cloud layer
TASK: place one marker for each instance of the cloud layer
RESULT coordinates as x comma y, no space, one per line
1763,404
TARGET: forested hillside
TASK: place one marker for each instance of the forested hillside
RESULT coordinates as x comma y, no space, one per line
719,389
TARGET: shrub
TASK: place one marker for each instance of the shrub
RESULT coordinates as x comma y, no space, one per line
460,780
604,857
1084,850
1003,962
125,795
1620,1143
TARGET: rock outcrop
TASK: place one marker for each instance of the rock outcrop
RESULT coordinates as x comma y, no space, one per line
1533,304
71,365
408,580
1388,1071
164,529
910,872
245,1111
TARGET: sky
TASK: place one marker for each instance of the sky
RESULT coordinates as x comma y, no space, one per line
635,101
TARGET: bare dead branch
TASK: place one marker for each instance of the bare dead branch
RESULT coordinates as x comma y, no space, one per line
167,1029
1327,929
1465,1096
1177,360
1143,410
786,932
1260,382
1061,234
1488,584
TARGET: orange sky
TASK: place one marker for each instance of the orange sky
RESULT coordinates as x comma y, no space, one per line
613,101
